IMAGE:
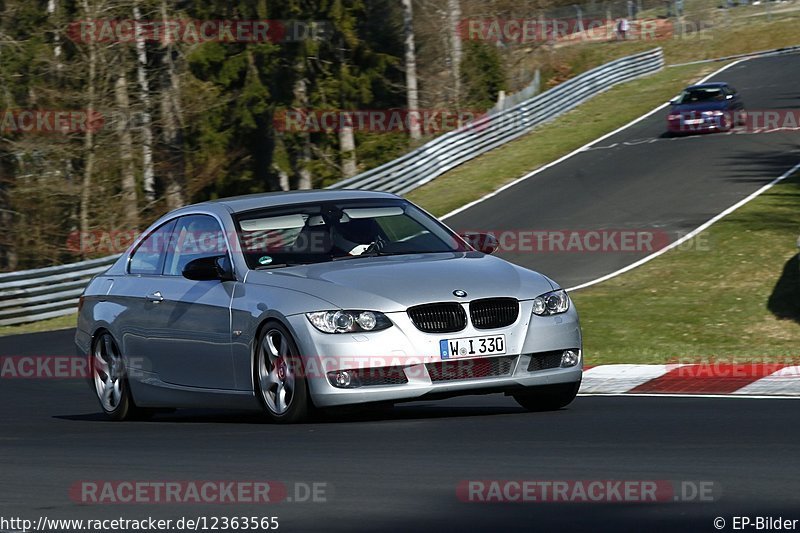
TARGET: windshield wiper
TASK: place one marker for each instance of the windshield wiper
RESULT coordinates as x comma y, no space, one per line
370,254
279,265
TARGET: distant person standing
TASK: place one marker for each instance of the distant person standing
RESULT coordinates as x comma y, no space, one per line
622,28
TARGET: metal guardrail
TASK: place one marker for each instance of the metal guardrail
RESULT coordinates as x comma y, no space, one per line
31,295
452,149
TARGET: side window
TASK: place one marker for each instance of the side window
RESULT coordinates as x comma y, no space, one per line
195,236
148,258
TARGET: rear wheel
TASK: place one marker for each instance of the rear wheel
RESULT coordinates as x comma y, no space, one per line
111,382
279,379
549,398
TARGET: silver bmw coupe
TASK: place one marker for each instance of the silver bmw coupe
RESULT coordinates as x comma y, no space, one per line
287,302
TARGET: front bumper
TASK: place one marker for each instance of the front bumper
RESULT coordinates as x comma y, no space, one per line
708,124
415,357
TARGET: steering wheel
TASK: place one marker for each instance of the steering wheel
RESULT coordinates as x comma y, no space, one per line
375,246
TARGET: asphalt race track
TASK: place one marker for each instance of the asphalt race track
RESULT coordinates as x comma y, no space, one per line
400,469
638,179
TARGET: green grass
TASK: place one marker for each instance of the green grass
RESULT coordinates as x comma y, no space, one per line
739,31
62,322
733,295
600,115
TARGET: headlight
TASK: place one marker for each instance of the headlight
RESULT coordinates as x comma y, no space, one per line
713,113
348,321
673,117
551,303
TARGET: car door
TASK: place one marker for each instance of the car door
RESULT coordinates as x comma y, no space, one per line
133,324
191,341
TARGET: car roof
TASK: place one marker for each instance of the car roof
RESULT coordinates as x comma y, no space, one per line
710,85
238,204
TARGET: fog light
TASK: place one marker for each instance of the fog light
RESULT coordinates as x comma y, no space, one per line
570,358
341,378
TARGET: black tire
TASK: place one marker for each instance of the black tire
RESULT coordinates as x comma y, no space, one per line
269,374
109,380
548,398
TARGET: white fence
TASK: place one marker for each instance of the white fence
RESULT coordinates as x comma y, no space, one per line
31,295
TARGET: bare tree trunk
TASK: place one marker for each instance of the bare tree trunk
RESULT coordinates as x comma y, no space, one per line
454,20
88,138
130,208
412,93
172,124
347,150
52,8
148,175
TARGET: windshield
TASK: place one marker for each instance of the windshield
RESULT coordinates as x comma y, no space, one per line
705,94
330,231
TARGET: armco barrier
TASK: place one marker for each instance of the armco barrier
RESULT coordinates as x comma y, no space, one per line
31,295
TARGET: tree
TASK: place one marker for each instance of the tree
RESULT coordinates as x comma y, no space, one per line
415,130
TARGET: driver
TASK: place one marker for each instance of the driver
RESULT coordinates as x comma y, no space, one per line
355,236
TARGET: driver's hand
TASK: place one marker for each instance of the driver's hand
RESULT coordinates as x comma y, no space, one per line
360,249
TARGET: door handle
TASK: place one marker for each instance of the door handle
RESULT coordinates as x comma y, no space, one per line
155,297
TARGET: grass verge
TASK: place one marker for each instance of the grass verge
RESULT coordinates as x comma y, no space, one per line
52,324
733,295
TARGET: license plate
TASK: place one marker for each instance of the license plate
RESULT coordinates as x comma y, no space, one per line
692,121
472,346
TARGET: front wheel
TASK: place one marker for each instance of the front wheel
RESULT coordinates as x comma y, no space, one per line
279,379
549,398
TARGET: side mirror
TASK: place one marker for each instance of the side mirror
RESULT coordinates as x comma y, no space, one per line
483,242
216,267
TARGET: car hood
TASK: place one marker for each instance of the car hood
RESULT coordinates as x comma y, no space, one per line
700,106
394,283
